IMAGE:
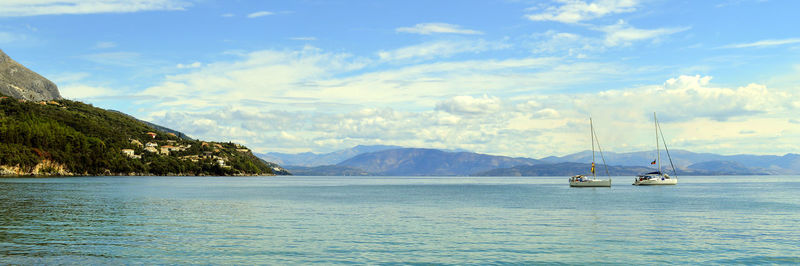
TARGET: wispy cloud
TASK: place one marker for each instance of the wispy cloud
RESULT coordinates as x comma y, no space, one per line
764,43
8,37
305,38
227,15
259,14
623,34
572,11
440,49
192,65
21,8
126,59
434,28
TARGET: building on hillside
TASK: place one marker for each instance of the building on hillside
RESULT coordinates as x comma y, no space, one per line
164,150
137,143
152,134
150,149
151,144
130,153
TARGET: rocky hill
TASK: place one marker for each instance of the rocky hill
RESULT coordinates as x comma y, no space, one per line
20,82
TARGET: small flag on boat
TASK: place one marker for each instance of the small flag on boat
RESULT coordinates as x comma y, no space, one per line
653,162
592,167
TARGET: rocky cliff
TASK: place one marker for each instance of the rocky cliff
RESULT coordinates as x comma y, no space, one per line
20,82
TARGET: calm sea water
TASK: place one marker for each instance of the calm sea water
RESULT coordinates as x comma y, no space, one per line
397,220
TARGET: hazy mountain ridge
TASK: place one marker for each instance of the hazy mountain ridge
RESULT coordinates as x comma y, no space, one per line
571,168
772,164
309,159
418,161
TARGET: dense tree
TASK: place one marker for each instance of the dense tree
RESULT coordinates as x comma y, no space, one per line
89,140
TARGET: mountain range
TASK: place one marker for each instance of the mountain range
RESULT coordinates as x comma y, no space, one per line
392,160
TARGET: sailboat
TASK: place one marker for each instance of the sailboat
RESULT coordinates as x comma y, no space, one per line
584,181
658,177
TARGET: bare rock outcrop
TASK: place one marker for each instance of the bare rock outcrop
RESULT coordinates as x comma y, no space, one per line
20,82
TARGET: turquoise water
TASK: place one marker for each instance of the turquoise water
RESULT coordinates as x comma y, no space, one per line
397,220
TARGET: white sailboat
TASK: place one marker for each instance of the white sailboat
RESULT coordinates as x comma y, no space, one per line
658,177
584,181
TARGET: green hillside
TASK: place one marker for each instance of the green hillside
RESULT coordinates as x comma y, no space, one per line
72,138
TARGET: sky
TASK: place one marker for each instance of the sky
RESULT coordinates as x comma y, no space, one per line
504,77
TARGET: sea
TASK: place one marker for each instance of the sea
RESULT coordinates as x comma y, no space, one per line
398,221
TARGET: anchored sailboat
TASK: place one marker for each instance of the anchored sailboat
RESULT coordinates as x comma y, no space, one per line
658,177
584,181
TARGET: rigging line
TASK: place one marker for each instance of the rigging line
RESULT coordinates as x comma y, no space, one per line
591,129
667,149
601,154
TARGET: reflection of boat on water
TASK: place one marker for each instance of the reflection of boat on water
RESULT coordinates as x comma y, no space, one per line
658,177
584,181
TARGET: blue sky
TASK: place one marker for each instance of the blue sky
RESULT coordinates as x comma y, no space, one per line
509,77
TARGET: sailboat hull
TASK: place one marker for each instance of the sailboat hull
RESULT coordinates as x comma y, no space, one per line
591,183
655,182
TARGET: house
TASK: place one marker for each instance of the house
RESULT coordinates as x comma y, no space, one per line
150,149
136,142
130,154
243,150
164,150
152,134
151,144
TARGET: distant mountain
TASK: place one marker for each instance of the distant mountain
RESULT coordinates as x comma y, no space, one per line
20,82
725,168
327,170
563,169
772,164
416,162
570,169
318,159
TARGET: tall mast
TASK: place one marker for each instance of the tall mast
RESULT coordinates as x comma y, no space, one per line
591,127
658,152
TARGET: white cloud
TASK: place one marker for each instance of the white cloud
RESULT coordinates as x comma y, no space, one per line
227,15
573,45
259,14
574,11
288,100
80,91
192,65
21,8
440,49
764,43
624,34
434,28
468,105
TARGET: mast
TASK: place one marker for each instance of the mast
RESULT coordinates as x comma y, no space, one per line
591,127
658,152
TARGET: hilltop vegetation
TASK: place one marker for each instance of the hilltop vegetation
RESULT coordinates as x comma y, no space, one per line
66,137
